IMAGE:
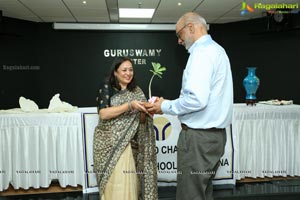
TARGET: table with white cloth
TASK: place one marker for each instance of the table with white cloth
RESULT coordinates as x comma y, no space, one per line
266,140
36,148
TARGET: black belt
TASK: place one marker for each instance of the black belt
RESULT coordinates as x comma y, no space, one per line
185,127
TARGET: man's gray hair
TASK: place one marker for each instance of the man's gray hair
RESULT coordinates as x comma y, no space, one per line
195,18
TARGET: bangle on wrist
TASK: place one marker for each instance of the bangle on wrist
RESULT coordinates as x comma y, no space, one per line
130,106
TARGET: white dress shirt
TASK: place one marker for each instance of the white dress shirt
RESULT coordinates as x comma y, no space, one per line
206,96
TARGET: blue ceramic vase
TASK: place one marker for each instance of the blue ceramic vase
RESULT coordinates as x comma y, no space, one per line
251,84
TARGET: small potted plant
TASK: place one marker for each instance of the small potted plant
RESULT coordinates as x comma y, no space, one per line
157,71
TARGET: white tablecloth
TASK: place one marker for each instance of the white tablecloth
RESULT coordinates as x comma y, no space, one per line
267,140
36,148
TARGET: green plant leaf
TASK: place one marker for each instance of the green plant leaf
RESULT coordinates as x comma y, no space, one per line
157,71
162,69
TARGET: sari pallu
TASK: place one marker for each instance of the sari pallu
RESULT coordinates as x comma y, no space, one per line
113,136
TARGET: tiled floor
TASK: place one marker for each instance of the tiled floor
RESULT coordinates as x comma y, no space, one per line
272,190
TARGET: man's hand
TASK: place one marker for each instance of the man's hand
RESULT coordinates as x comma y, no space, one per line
155,108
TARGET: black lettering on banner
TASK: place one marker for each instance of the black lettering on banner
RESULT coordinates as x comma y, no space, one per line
168,149
166,165
224,162
156,150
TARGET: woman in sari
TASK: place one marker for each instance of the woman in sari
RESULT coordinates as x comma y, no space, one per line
124,140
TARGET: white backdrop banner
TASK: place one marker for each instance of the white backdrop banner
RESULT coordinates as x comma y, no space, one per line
167,129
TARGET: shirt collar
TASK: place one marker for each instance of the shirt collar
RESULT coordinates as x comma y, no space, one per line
200,41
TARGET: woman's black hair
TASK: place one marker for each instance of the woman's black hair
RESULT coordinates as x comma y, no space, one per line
114,81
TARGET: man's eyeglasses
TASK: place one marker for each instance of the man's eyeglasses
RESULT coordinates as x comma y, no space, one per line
178,33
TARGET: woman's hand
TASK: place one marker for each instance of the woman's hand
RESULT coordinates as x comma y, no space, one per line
138,105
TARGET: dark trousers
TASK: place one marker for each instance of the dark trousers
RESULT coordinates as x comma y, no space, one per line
198,155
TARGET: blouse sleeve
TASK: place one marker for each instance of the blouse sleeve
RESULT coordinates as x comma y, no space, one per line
103,97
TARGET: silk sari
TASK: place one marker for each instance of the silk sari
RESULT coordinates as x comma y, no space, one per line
113,137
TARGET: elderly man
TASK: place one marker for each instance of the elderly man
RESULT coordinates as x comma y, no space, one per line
204,108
